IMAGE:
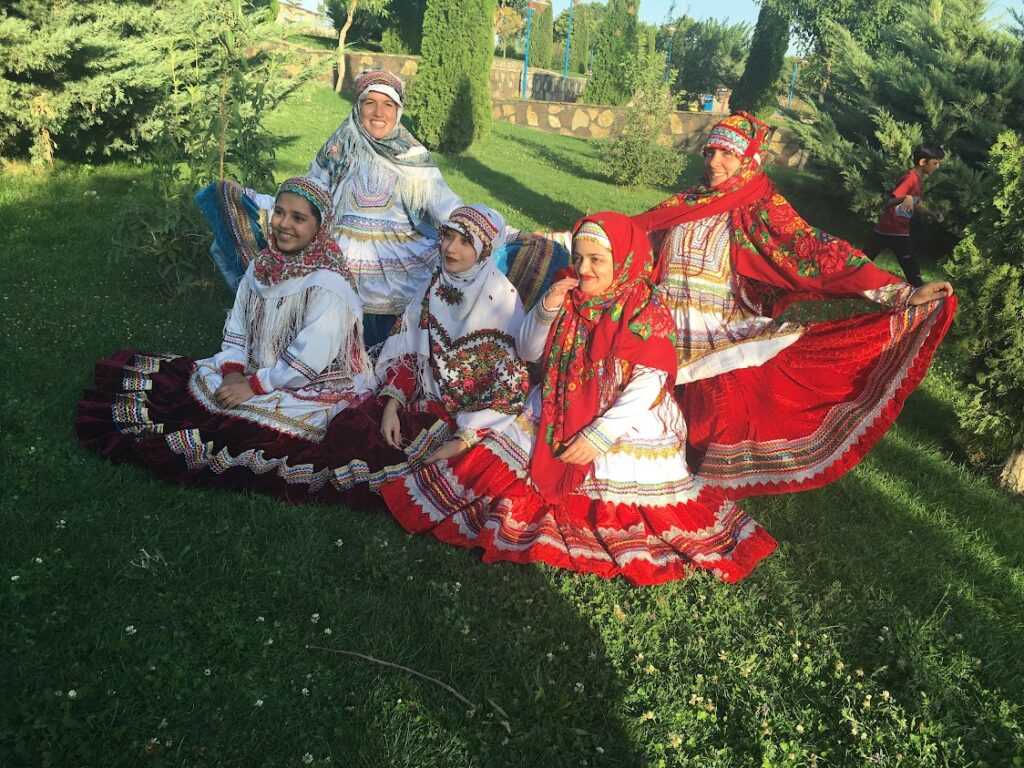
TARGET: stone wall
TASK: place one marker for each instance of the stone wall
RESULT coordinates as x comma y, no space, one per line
585,121
506,76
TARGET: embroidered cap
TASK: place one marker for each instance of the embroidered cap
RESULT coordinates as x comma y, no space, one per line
381,81
741,133
483,225
317,194
591,230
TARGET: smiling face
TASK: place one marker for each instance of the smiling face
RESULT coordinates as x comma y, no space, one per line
719,165
378,114
594,265
457,251
294,221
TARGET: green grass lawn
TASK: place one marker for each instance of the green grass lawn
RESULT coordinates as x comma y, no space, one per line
148,624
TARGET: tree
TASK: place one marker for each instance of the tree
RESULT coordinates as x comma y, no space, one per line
706,54
987,268
756,90
614,48
344,12
541,39
77,79
586,18
404,27
508,24
450,99
942,73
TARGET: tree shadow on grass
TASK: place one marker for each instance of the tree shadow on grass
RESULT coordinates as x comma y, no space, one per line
513,192
566,160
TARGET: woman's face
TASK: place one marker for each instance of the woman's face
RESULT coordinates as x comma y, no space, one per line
294,222
378,114
457,251
594,265
720,164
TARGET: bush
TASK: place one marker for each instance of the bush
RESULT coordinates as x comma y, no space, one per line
450,99
638,155
987,270
614,49
755,92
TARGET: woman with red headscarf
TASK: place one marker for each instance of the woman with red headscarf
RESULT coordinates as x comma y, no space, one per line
591,476
774,405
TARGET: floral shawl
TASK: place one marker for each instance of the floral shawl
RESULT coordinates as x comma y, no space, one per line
593,341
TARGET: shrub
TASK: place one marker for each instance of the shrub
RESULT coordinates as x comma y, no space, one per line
987,268
615,47
638,155
755,91
450,99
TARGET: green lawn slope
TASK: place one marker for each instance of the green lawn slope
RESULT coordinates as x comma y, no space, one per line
148,624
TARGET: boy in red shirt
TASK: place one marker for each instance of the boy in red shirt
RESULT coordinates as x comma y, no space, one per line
892,231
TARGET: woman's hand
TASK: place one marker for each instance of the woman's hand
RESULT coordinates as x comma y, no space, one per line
390,427
449,450
579,450
556,293
930,292
234,391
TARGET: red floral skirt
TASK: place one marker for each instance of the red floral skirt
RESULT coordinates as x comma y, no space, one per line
812,412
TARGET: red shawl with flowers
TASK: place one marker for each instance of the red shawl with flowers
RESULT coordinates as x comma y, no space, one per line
591,338
771,243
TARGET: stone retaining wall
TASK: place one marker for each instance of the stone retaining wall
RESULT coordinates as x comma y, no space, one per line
585,121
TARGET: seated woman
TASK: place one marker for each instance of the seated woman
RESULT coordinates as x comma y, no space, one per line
774,406
591,475
450,371
253,415
386,190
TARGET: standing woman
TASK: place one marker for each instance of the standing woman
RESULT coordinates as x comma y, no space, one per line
591,476
774,406
388,198
449,370
253,416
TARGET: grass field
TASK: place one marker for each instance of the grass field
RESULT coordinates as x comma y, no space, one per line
148,624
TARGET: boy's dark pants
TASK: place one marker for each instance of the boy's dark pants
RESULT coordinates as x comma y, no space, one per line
901,249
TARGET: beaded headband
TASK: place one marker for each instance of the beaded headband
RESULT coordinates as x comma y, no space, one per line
381,81
591,230
474,224
313,191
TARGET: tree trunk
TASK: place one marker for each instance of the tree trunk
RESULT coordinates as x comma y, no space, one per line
1013,472
342,33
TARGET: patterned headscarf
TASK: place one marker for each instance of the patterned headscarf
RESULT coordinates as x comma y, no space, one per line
741,133
273,266
593,346
381,81
462,326
774,251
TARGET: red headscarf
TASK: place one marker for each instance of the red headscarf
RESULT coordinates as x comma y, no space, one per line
771,243
591,339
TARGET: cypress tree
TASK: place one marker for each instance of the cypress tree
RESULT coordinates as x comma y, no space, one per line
450,99
614,53
755,91
541,38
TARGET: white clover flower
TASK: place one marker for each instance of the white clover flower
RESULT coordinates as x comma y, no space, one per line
327,631
338,542
37,560
207,672
260,619
15,577
307,758
258,703
305,691
130,629
579,687
314,618
72,694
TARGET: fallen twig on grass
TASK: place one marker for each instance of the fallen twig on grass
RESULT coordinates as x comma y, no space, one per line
391,664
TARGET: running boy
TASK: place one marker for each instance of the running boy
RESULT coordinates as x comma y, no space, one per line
892,231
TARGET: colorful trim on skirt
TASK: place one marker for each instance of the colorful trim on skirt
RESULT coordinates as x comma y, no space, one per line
811,413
